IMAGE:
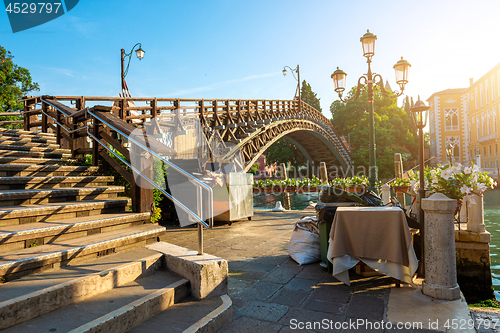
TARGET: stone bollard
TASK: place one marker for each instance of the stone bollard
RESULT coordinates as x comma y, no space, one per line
386,194
323,172
440,258
475,215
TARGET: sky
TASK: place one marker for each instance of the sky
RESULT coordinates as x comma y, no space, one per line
237,49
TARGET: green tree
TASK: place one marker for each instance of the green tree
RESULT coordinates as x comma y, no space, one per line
309,96
15,81
283,151
394,130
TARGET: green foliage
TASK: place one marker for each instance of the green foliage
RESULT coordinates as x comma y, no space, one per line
394,130
489,303
254,169
283,151
309,96
15,81
156,216
401,182
305,182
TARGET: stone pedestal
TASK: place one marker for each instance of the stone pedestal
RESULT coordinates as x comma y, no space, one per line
386,194
440,260
475,215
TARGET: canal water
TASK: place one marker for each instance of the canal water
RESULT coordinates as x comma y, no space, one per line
491,219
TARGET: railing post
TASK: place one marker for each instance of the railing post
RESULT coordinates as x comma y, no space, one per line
45,109
95,144
27,116
58,128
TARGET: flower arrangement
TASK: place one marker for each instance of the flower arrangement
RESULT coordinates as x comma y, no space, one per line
456,182
401,182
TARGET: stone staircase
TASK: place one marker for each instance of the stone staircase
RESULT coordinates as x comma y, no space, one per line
72,255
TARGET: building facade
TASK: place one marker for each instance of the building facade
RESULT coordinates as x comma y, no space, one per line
467,118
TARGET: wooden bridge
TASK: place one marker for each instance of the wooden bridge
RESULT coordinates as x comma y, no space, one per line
254,125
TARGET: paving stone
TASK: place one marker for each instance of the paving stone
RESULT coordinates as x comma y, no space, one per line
249,325
296,315
235,285
300,284
246,275
287,329
312,272
290,297
332,293
257,267
280,275
369,307
263,311
272,259
330,307
260,291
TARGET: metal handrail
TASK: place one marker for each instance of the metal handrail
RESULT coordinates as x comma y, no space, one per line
187,210
194,179
201,223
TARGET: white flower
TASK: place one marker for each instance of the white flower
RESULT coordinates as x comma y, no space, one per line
465,190
467,170
446,173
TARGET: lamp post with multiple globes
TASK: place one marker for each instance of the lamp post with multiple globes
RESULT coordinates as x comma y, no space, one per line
368,80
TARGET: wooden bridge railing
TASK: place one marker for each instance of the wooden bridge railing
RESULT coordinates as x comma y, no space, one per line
232,118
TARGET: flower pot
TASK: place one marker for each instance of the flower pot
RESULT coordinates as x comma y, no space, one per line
356,189
401,189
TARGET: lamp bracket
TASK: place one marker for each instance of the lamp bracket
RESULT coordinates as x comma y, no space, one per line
361,85
129,55
385,93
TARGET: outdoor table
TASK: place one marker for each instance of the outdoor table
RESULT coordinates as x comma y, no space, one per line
377,236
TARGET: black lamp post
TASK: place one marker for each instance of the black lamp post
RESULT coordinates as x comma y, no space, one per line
139,53
449,151
420,113
297,91
339,82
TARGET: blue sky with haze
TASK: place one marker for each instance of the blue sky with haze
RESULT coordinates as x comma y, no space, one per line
237,49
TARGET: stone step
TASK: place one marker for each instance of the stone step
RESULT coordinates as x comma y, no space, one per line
190,316
36,161
31,260
49,212
115,310
4,135
9,131
34,234
54,289
21,183
40,196
28,139
54,150
32,154
9,142
20,170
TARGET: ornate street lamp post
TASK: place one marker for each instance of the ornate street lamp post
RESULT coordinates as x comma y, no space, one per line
420,113
297,91
139,53
339,82
449,151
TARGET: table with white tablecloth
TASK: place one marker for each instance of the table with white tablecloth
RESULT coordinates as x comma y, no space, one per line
377,236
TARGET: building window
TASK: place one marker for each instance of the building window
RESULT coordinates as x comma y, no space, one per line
490,151
475,100
491,164
477,128
486,92
488,128
451,119
483,125
485,164
492,88
484,151
496,163
481,95
496,149
455,141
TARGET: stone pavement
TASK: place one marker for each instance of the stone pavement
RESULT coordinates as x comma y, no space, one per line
271,293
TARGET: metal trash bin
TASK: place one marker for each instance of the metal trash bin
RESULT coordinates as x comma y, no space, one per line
325,212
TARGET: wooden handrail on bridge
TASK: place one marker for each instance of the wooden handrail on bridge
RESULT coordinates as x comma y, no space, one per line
233,119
